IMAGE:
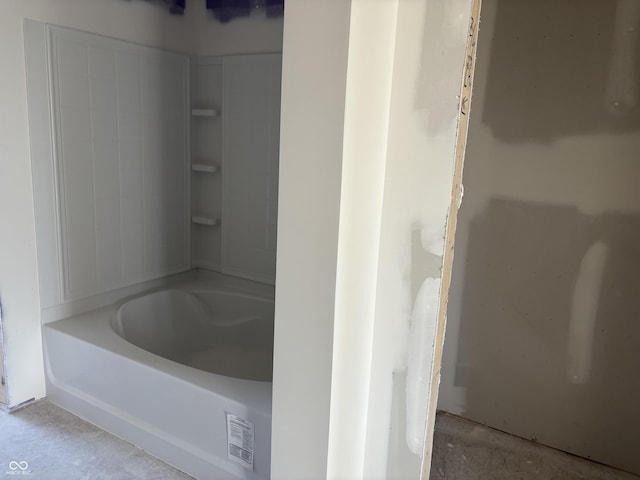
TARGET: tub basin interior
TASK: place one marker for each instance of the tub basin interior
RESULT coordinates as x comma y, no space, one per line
225,333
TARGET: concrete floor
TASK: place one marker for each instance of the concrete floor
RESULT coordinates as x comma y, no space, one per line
57,445
464,450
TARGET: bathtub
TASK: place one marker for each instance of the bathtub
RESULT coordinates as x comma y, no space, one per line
183,373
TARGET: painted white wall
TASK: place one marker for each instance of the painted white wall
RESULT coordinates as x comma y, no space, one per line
253,34
348,267
135,21
366,126
314,72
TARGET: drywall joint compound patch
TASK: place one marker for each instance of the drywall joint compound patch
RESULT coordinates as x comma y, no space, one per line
240,441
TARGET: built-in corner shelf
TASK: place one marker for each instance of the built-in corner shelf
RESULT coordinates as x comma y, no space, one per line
204,112
204,167
205,220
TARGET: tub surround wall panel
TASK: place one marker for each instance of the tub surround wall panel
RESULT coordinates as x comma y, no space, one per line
206,149
134,21
119,114
251,116
41,139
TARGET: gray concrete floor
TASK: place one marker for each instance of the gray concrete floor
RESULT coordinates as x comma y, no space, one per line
58,445
465,450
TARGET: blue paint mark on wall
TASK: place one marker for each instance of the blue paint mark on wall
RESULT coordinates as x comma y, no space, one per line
227,10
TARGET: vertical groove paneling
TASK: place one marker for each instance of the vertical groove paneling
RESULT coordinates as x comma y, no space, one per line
251,92
121,161
42,167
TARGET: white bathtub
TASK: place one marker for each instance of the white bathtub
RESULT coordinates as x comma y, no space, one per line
164,371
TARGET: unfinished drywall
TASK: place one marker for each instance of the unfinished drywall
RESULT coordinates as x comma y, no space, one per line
541,324
568,62
254,34
357,249
430,56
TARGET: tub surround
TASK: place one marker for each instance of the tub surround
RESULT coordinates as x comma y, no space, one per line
122,183
137,185
235,132
128,168
114,204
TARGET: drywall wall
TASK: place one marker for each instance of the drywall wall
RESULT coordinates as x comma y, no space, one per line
133,21
427,79
541,323
253,34
314,71
356,247
364,157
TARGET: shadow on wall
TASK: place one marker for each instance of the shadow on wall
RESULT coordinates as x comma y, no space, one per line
559,61
523,339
